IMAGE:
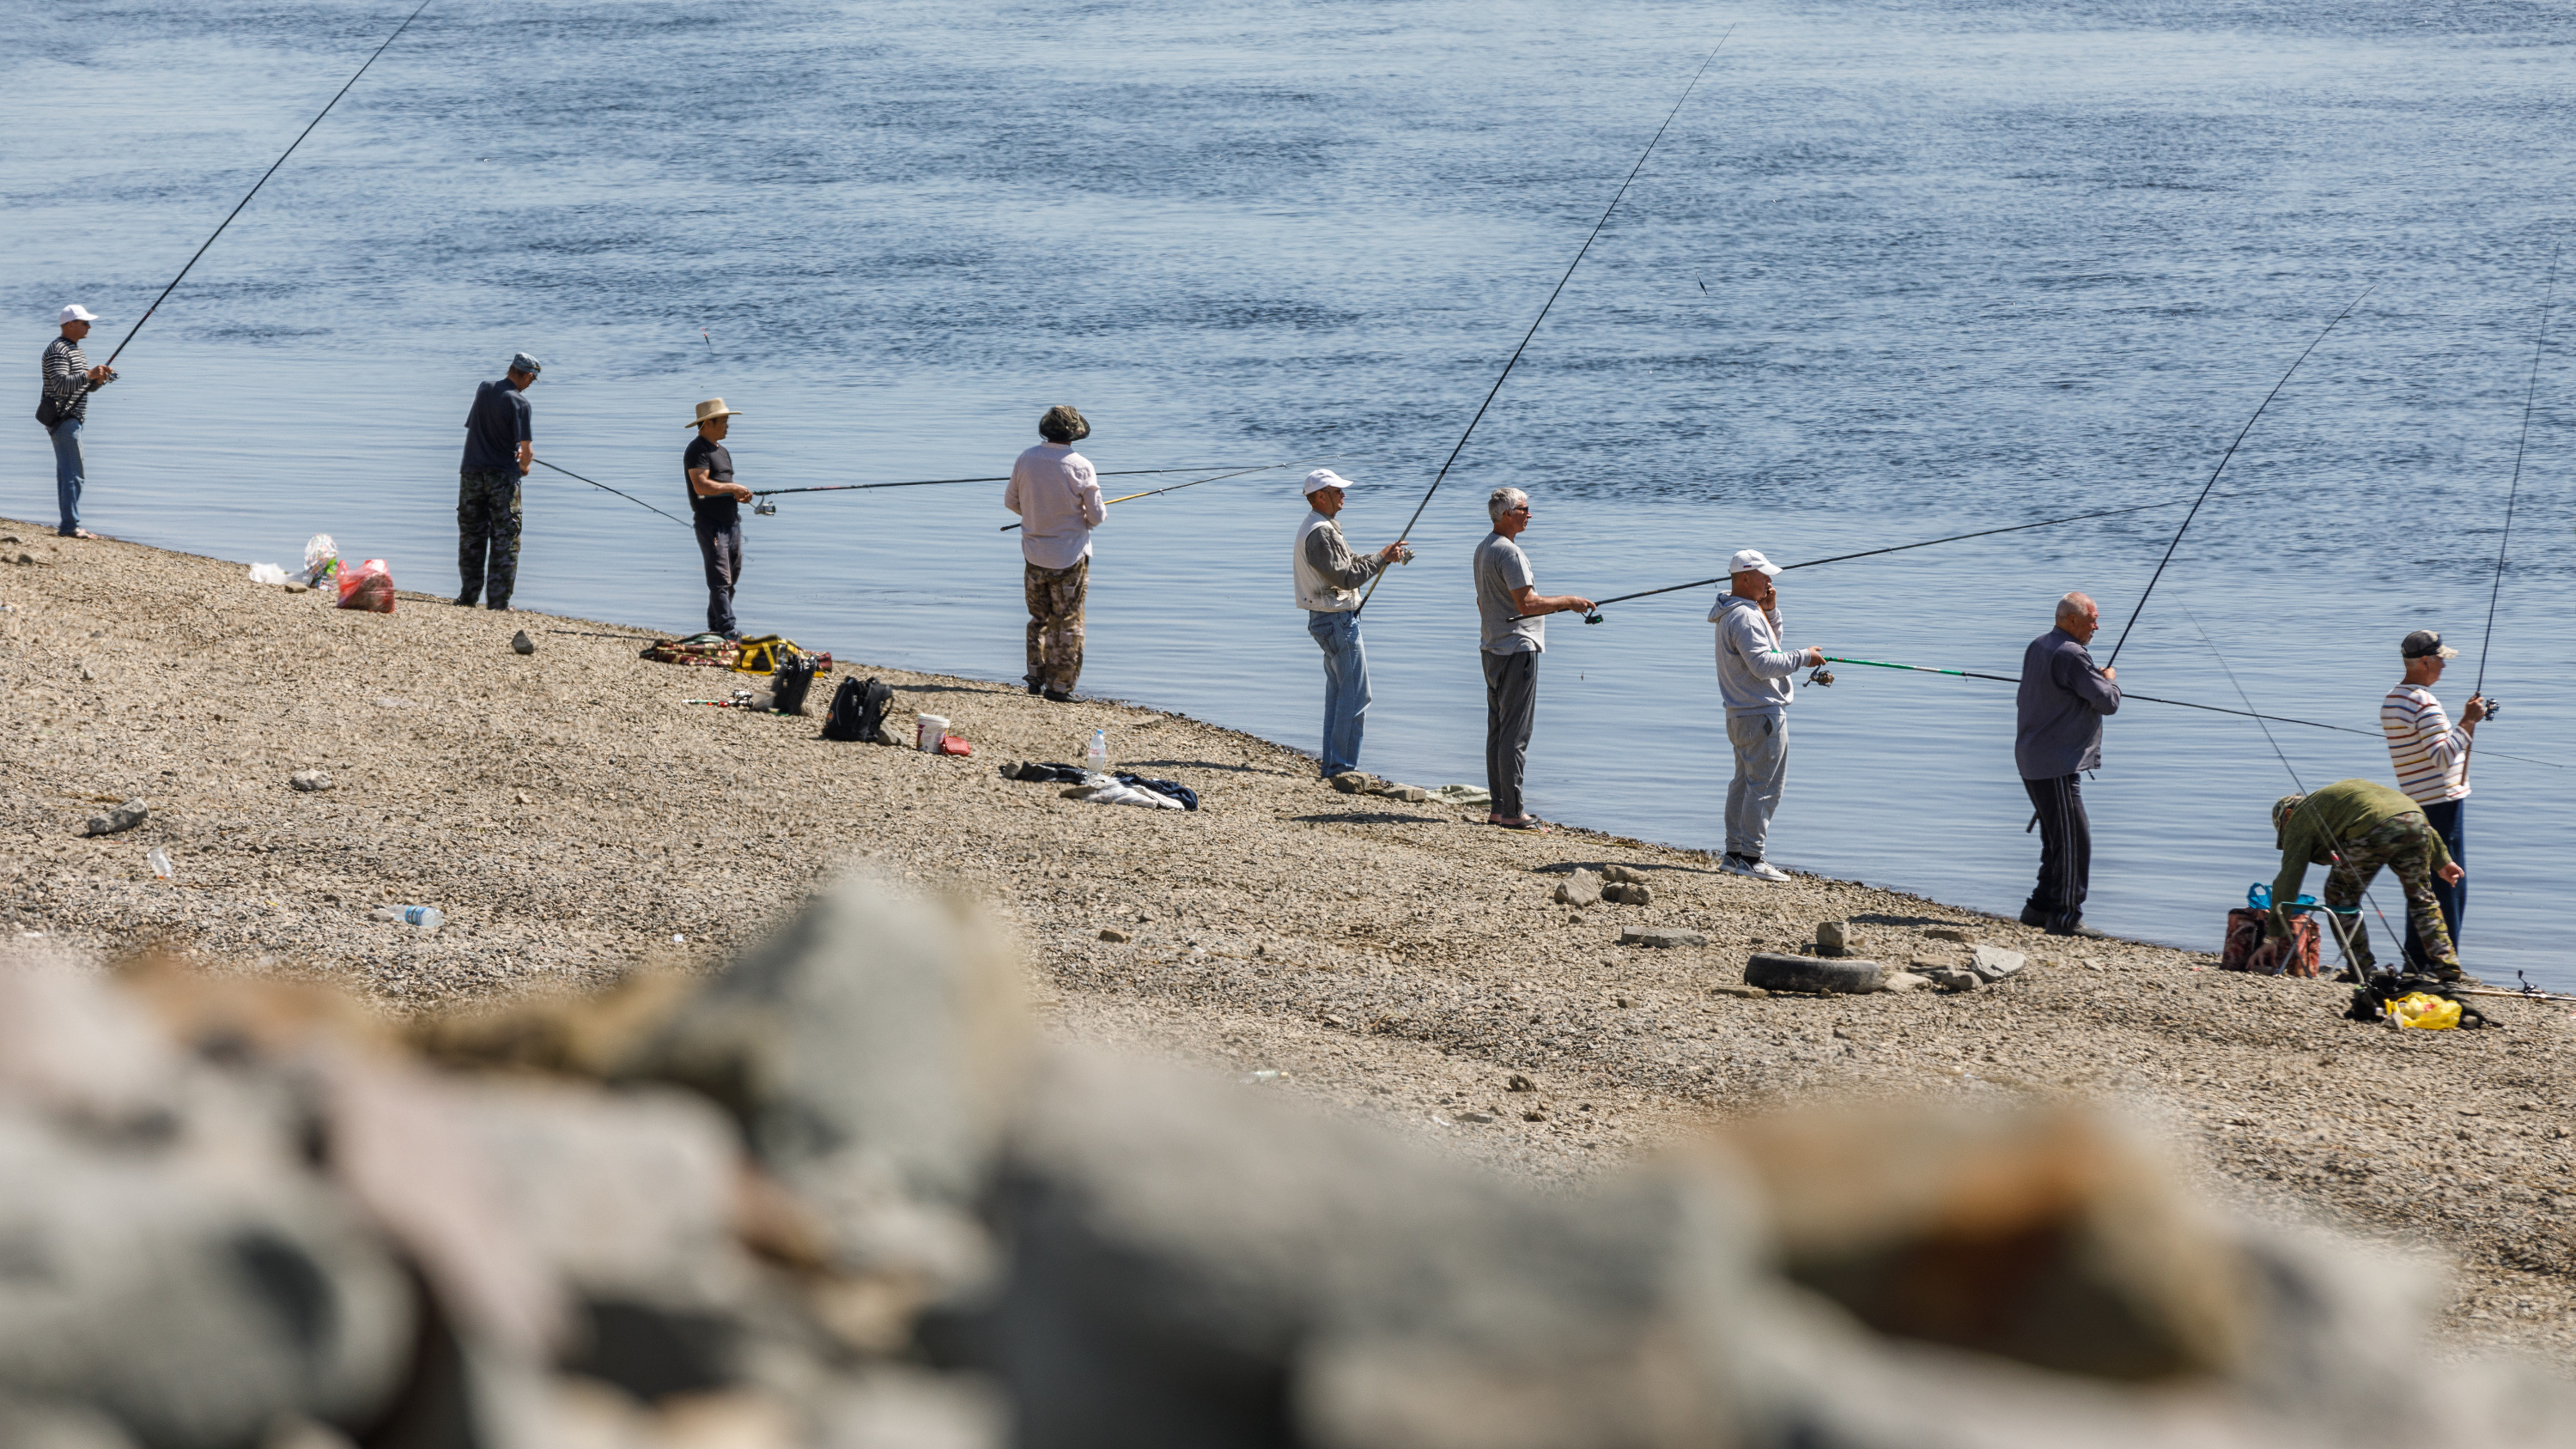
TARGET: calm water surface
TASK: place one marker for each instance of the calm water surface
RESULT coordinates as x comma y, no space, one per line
1899,270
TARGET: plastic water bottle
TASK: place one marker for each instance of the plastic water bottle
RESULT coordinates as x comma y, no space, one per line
428,918
159,860
1095,756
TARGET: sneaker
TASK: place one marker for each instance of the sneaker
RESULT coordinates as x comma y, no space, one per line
1765,870
2034,917
2080,931
1747,865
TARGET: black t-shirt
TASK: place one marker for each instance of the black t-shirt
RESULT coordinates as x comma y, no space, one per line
495,426
723,510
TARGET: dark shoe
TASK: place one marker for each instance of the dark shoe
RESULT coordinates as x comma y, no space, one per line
2034,917
2080,931
465,603
1059,696
1036,688
2447,971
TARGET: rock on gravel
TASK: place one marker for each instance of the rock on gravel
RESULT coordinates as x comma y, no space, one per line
1620,894
1832,939
1775,972
1581,888
123,817
1661,938
520,643
310,781
1994,963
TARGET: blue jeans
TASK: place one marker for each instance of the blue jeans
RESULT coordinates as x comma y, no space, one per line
1346,688
2448,822
1761,741
67,473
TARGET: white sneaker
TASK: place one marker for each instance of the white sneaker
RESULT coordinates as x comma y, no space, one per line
1758,869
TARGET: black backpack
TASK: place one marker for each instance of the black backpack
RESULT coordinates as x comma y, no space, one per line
792,681
858,712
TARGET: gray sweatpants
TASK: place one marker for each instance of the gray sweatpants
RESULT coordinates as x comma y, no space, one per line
1761,740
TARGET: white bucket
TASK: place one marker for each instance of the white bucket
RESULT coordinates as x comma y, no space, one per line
927,731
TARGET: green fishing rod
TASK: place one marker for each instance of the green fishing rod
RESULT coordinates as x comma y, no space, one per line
1820,677
1543,311
256,185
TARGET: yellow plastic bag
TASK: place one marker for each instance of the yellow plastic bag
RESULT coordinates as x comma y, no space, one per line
2425,1010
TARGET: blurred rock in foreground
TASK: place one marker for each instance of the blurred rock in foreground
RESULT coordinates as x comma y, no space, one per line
838,1197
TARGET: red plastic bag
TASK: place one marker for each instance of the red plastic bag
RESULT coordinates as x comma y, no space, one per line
369,586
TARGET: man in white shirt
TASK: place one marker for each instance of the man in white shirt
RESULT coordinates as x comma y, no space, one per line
1328,589
2432,759
1755,685
1511,612
1057,496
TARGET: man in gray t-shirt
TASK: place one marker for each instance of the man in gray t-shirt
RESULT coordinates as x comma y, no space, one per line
1510,610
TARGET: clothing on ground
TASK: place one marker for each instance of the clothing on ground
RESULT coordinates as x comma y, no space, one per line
1511,708
720,548
1753,671
2328,822
2431,753
2063,699
1057,496
1055,623
1761,741
487,535
1174,789
721,510
67,384
2065,851
67,474
495,426
2450,826
1500,568
1328,574
1346,688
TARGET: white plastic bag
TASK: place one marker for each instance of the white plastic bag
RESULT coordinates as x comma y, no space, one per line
261,573
321,559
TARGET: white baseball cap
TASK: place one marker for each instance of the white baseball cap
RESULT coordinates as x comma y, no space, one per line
1751,561
75,313
1323,478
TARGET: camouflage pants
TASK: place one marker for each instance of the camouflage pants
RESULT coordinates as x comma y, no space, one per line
487,535
1055,624
2405,845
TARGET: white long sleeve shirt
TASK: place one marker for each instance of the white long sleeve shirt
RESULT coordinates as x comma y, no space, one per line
1057,496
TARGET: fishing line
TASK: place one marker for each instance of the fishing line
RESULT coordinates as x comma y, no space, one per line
2305,796
1193,483
2530,394
2222,467
933,482
2153,699
1896,548
255,186
1543,311
595,483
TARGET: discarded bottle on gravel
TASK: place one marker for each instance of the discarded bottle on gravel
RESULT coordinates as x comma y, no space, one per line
159,860
426,917
1095,756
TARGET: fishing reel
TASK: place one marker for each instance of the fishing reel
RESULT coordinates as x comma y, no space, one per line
1593,617
2494,706
1822,676
764,508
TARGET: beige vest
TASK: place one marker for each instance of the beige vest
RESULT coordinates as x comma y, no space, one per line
1314,593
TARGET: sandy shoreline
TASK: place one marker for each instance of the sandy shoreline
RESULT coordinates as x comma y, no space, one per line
572,816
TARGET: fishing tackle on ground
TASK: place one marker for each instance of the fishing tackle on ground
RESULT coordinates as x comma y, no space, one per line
137,329
1543,311
1598,604
595,483
2222,467
2530,393
1177,487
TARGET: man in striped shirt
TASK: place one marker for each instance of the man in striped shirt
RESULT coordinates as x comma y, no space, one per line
69,380
2432,759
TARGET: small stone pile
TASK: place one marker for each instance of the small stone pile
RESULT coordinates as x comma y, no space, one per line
839,1196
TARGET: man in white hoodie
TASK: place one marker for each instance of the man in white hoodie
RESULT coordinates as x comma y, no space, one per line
1754,680
1329,576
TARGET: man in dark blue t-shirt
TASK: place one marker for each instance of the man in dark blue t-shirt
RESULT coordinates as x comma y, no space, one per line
717,501
500,447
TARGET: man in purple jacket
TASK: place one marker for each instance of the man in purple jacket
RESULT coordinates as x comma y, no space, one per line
2063,700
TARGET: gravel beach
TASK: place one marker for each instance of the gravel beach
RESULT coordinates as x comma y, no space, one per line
575,816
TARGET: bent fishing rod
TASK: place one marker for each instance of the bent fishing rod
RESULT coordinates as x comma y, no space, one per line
2222,467
256,185
1543,311
2530,394
595,483
2143,698
934,482
1598,604
1177,487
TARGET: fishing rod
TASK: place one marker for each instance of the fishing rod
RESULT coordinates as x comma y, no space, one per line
2530,394
1177,487
595,483
1543,311
1598,604
2145,699
2222,467
933,482
2351,962
256,185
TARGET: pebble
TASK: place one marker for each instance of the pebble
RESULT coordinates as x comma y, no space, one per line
1661,938
123,817
520,643
1994,963
1582,888
1628,895
1113,934
310,781
1832,939
1622,875
1946,933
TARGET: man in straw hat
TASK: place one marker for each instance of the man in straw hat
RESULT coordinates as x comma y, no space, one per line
715,501
1328,578
500,448
1056,493
69,380
2431,756
2357,826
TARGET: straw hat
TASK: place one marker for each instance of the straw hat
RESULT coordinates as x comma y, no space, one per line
712,409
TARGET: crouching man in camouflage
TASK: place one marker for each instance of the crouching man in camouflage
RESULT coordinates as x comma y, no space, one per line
2355,827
